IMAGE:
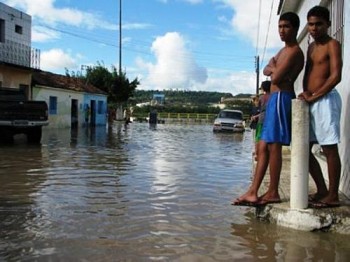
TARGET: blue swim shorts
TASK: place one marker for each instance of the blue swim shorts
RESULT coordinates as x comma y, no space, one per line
277,123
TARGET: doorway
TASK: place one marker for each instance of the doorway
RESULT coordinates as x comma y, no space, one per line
74,113
93,112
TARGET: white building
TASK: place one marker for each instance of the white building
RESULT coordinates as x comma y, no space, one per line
72,102
17,57
340,29
15,36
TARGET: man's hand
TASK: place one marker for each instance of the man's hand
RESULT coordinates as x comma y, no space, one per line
307,96
270,67
255,118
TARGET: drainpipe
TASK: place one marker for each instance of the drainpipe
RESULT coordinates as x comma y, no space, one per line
299,155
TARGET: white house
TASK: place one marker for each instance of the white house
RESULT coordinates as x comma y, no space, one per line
340,29
72,102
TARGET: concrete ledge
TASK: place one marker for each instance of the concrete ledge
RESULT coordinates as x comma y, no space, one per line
330,219
335,220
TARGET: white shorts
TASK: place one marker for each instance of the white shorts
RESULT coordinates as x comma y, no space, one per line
325,119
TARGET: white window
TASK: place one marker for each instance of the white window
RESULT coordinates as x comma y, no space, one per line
2,31
19,29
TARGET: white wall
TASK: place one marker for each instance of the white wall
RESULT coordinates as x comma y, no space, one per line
344,90
63,117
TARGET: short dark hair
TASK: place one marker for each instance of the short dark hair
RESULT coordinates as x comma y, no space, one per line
319,11
265,85
291,17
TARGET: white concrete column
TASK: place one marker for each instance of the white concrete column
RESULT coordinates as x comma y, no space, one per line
299,155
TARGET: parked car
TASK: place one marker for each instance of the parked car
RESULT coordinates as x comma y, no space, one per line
229,120
18,115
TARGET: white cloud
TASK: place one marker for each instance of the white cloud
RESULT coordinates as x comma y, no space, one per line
245,21
175,66
56,59
130,26
193,2
43,34
234,83
49,14
45,13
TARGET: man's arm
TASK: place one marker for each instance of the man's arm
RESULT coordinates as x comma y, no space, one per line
307,70
282,69
269,67
306,94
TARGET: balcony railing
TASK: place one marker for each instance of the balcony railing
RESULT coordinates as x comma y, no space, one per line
19,54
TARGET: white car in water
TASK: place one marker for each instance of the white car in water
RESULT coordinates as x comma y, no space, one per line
229,120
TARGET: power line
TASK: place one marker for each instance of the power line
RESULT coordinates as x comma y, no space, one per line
267,33
258,31
141,49
79,35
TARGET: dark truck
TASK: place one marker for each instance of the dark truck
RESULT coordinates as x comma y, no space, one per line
20,116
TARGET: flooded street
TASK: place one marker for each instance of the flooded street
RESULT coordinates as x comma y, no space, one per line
141,194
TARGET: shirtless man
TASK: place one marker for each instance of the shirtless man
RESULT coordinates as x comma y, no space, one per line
283,70
322,74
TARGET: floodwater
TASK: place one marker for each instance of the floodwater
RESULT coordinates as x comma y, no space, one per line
142,194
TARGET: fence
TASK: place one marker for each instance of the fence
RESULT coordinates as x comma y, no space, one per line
181,117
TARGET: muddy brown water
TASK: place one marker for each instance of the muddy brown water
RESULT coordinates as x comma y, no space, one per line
143,194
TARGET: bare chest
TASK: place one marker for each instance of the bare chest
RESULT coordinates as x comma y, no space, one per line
319,55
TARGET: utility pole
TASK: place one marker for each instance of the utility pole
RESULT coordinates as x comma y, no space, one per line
120,37
257,73
119,109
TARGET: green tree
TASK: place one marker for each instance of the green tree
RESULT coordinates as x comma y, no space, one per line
117,86
100,77
122,89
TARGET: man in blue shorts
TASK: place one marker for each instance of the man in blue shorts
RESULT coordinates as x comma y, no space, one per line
283,70
322,73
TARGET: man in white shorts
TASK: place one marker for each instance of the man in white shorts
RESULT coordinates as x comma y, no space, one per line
322,73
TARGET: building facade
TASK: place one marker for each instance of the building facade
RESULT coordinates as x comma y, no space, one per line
71,101
15,49
15,36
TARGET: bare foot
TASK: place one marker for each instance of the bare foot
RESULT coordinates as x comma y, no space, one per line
329,199
269,198
247,197
316,197
269,201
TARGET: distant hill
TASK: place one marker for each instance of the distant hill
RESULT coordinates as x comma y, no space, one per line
184,97
244,95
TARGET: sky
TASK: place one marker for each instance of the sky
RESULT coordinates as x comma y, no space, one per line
197,45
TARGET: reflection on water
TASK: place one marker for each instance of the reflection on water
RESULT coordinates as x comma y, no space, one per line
140,194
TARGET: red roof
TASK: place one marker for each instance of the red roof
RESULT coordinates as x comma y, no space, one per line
48,79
